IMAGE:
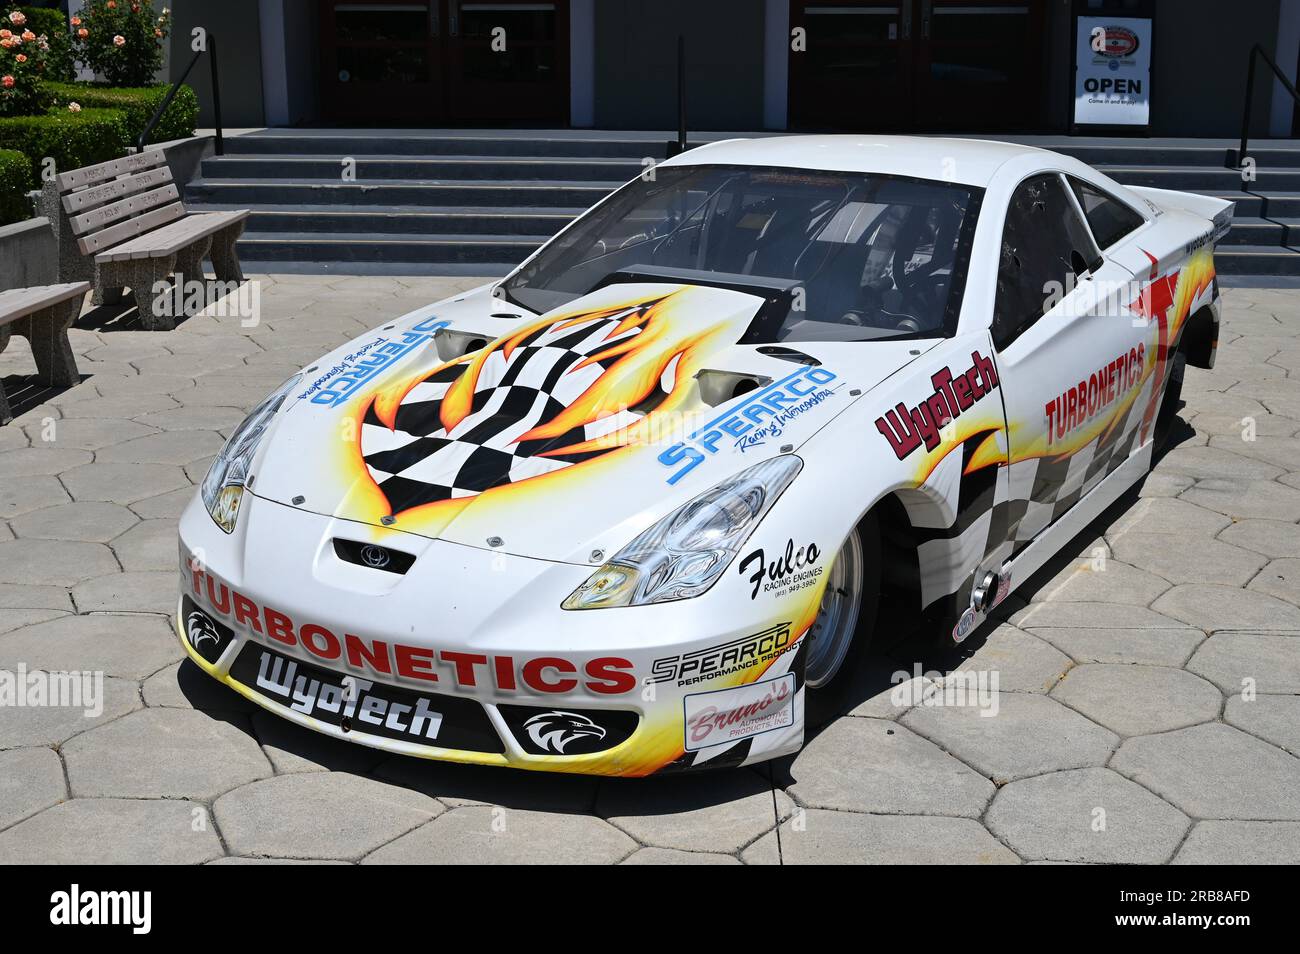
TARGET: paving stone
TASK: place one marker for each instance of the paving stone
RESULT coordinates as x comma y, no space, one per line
144,592
183,685
1241,843
92,522
1270,661
669,856
494,835
828,838
1273,538
195,418
719,812
88,831
123,483
18,618
1214,771
1204,462
1160,484
292,748
334,815
1023,662
1214,608
165,506
1232,427
1280,578
130,647
163,753
36,461
89,434
60,562
1139,700
1155,647
1262,499
1206,561
30,493
146,384
1082,615
119,406
907,774
457,785
1281,452
14,596
148,545
1088,815
168,447
30,780
1029,734
1165,515
1274,719
12,438
1113,581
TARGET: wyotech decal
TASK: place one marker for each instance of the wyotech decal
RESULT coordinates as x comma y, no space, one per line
907,429
760,416
340,382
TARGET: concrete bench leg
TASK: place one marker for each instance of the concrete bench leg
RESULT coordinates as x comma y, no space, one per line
141,275
106,296
225,260
47,333
189,261
5,415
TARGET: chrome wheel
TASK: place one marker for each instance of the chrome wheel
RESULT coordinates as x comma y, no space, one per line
832,631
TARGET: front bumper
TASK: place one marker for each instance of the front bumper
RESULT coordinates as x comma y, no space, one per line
467,656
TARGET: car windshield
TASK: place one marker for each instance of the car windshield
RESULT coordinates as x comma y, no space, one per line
860,256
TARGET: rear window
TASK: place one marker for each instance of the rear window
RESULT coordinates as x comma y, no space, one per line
1108,217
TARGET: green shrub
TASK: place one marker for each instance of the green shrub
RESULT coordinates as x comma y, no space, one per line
71,139
15,182
60,65
22,66
123,41
138,105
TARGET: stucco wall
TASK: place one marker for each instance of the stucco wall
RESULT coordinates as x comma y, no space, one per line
235,24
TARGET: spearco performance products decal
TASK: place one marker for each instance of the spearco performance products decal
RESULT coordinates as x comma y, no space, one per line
1085,400
350,375
763,414
729,715
724,659
907,429
787,573
349,703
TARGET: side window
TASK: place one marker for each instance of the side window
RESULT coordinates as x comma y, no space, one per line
1109,218
1045,248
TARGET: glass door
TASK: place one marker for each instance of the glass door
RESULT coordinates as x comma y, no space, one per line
854,68
507,61
380,61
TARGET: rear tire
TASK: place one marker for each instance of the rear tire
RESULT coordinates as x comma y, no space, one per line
1169,404
842,632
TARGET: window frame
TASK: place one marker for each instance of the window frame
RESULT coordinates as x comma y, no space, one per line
1143,220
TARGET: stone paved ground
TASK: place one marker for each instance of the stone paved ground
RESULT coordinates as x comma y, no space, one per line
1122,734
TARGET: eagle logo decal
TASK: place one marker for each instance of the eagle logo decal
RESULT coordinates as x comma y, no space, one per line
555,731
201,630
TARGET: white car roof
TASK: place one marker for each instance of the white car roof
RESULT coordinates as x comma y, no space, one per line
966,161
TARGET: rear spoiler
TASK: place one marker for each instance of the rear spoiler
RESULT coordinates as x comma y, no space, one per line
1218,211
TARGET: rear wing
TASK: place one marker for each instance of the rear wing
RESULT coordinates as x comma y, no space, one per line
1217,211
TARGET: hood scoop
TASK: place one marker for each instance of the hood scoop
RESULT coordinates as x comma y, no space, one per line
452,344
719,387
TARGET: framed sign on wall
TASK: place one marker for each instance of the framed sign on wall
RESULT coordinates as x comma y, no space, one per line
1112,71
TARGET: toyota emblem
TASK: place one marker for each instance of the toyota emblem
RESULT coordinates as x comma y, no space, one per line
374,556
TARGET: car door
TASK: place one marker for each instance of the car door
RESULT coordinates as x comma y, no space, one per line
1070,354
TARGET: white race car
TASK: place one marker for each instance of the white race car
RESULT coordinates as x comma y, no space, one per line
621,511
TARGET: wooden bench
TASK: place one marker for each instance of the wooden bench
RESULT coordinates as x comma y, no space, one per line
121,224
43,315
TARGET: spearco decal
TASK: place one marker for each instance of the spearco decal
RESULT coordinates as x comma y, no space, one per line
791,571
907,429
760,415
351,374
724,659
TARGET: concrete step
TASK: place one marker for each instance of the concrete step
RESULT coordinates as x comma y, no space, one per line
387,247
388,193
415,220
1202,178
546,143
367,168
1251,230
1255,204
1256,260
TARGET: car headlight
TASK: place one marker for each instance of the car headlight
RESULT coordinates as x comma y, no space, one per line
223,487
683,554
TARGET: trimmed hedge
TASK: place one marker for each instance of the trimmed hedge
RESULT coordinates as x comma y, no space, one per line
72,140
15,182
138,105
60,66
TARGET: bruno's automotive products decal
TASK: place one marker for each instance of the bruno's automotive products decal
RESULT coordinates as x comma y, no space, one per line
787,572
907,429
729,715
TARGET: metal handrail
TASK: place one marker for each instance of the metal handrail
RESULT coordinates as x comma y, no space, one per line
211,49
1258,50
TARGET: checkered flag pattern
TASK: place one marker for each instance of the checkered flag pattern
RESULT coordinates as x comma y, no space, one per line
418,461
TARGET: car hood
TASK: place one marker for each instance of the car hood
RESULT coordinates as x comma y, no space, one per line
558,436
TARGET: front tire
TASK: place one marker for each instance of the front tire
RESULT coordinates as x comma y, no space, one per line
842,631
